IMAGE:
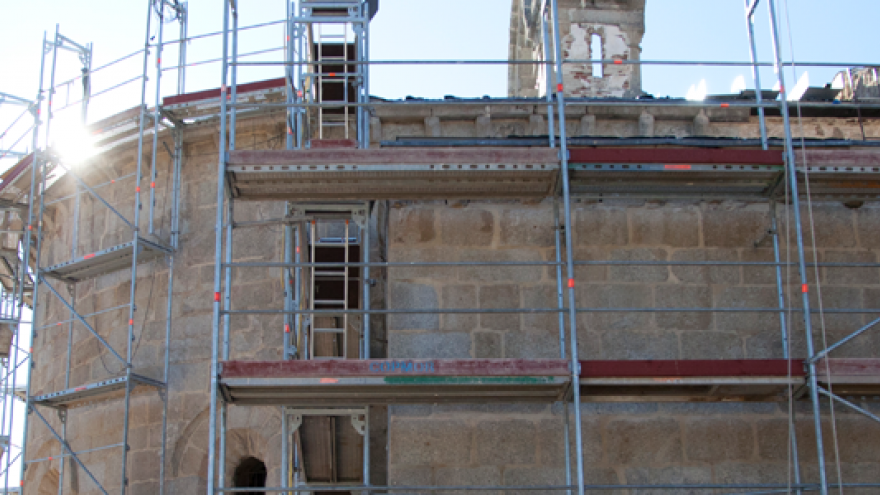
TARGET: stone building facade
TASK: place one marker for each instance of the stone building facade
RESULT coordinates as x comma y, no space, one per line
508,444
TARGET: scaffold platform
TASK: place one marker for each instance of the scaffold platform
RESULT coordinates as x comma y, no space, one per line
411,173
94,392
751,380
105,261
675,171
341,382
850,376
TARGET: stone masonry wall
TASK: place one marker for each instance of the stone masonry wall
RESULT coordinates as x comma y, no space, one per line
253,431
627,443
624,443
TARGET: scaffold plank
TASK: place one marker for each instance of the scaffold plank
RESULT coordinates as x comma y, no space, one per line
763,380
410,173
389,381
850,376
105,261
94,392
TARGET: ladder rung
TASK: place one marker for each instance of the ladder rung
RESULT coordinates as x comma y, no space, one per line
329,301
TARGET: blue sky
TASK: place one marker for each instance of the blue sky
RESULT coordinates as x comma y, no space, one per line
409,29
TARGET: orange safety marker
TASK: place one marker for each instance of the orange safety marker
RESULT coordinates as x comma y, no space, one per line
216,297
137,189
152,185
571,283
559,87
297,250
113,181
618,62
130,322
805,288
89,256
286,328
725,105
677,167
332,74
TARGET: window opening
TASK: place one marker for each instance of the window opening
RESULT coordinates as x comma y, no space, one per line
250,473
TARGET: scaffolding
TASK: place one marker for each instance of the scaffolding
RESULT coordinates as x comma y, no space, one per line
311,168
332,182
147,246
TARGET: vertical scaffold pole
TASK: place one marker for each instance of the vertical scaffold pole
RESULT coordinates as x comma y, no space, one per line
23,273
51,83
551,132
234,92
227,305
569,252
288,72
786,353
135,249
218,249
183,18
156,115
560,301
751,5
791,165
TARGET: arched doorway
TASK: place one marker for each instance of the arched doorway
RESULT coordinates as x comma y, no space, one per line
250,473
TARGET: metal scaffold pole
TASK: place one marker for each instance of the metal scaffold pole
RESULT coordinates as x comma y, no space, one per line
569,250
218,260
32,220
791,165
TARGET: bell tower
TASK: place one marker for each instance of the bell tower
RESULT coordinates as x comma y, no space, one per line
590,30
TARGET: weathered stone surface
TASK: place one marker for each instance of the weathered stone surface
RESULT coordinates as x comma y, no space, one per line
665,226
487,345
428,345
510,273
600,226
500,297
639,273
744,297
425,442
459,297
719,439
625,344
614,296
464,476
466,227
500,442
850,276
527,227
645,441
532,345
736,228
412,225
715,345
683,296
412,296
708,273
834,227
540,297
